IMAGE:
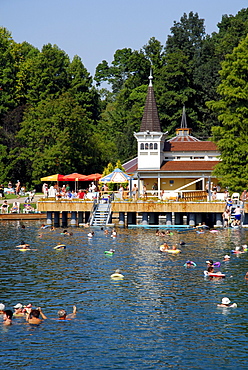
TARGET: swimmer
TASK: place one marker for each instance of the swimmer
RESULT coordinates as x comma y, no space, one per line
225,302
43,226
210,263
33,316
189,264
91,234
182,242
23,245
62,314
18,310
65,232
53,228
117,275
157,233
226,258
164,247
23,227
106,232
2,308
27,309
114,234
7,317
246,276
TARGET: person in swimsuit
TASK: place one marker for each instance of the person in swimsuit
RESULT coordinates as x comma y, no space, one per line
63,314
33,316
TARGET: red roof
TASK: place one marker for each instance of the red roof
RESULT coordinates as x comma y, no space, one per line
181,146
188,166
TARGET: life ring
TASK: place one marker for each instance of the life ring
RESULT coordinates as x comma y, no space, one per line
110,252
117,276
60,247
191,263
237,251
214,274
174,251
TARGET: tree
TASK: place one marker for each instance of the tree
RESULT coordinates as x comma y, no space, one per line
56,136
232,136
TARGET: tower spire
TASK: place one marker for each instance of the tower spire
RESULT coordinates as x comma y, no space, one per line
150,121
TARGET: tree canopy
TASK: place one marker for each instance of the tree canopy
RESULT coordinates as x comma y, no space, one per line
55,117
232,109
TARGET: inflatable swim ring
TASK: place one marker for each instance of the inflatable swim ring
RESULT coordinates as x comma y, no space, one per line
117,276
214,274
237,251
173,251
110,252
191,263
60,247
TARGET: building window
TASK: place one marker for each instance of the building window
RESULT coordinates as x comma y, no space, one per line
151,145
146,146
155,146
142,146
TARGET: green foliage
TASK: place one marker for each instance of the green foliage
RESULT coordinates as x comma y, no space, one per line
232,136
53,119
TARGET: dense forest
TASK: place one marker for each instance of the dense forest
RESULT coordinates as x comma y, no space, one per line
56,118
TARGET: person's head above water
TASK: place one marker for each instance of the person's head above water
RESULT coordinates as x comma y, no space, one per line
62,314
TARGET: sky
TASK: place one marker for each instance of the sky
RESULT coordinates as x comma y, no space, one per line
95,29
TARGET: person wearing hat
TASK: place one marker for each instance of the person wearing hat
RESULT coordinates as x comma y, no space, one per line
18,310
226,258
225,302
2,308
63,314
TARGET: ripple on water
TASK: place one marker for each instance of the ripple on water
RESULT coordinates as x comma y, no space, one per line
161,315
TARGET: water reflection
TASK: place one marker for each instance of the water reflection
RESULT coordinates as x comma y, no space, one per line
161,315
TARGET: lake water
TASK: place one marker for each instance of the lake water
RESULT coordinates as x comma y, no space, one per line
161,316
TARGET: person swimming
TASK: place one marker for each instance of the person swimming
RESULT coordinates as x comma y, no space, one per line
225,302
23,245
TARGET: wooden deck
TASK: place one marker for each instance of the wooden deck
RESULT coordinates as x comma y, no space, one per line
22,216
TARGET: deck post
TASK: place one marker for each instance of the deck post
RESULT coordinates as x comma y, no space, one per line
192,219
64,219
73,218
145,218
56,219
49,218
168,218
121,218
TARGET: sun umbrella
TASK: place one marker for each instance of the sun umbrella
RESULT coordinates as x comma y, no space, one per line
117,176
74,177
93,177
56,177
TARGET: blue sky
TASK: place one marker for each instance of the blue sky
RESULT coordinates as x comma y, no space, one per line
95,29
